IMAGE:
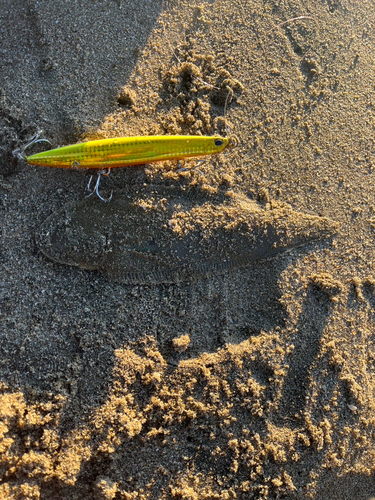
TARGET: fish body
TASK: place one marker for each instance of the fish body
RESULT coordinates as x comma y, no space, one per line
124,151
166,235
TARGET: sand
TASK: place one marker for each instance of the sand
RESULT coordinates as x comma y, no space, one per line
256,383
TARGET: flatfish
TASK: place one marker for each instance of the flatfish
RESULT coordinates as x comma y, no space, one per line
160,235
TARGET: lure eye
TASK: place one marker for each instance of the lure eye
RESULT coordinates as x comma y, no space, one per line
219,142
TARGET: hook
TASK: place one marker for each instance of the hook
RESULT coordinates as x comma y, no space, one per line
96,188
182,168
20,152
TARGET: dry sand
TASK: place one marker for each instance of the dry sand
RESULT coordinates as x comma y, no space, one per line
253,384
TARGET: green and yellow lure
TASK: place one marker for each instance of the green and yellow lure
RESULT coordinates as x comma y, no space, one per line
124,151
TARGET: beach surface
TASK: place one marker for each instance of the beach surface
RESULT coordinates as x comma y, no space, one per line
244,382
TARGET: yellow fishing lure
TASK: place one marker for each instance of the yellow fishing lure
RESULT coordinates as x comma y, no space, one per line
124,151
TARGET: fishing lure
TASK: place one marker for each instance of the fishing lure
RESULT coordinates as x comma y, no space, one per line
105,154
123,151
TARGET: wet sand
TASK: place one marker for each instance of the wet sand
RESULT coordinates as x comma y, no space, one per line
255,383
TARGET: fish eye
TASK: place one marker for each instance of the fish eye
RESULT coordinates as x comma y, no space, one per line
219,142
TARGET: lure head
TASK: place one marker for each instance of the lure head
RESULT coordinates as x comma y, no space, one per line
220,143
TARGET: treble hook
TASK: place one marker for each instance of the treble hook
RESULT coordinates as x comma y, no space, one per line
181,166
20,152
96,188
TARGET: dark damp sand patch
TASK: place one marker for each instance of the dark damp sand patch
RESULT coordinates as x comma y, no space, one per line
273,397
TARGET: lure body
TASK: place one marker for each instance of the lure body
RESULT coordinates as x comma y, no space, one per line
124,151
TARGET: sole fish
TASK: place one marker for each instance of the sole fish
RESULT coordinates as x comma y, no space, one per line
160,235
